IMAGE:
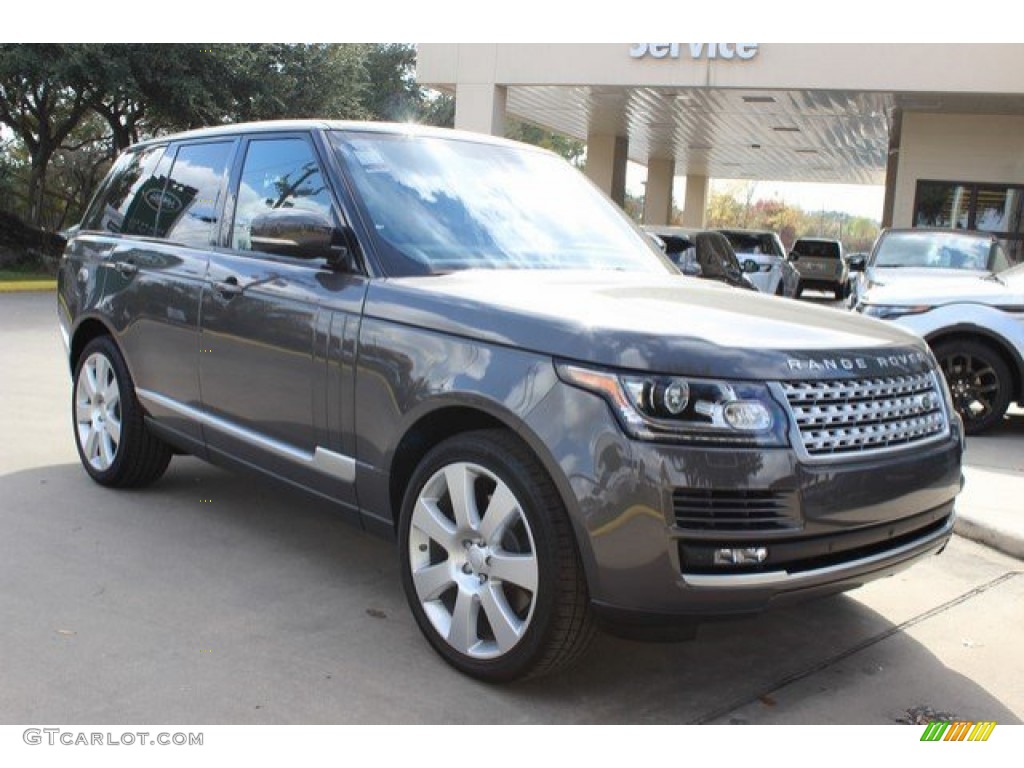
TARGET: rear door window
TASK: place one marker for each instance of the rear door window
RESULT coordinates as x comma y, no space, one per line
192,200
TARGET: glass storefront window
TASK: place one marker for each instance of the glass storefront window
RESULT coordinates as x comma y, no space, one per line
942,204
998,209
995,208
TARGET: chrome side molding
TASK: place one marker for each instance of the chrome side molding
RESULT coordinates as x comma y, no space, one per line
322,460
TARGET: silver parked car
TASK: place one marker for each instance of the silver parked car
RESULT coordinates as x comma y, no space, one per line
821,266
774,273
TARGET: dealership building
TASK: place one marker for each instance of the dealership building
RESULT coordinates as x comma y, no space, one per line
940,125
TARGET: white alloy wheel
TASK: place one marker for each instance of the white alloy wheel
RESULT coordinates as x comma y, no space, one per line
98,411
473,560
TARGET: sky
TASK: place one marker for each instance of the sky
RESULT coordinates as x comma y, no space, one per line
543,21
854,199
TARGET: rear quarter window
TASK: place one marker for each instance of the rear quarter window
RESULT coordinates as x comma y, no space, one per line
816,249
129,200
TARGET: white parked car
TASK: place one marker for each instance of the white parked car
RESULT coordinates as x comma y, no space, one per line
975,327
910,255
774,273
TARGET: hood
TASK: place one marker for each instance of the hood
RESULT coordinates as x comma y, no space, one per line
947,289
670,324
893,275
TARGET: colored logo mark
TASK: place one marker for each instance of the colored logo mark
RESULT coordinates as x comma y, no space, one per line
958,731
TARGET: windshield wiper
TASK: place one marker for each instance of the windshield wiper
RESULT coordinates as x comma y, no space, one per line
996,278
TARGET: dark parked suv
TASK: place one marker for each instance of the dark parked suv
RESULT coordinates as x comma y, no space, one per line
460,341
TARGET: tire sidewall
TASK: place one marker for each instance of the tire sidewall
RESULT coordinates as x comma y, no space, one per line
476,448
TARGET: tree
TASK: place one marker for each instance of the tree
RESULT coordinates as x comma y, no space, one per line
392,93
44,95
520,130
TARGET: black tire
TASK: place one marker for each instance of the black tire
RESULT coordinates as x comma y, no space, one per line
842,292
554,620
136,458
780,290
979,380
799,291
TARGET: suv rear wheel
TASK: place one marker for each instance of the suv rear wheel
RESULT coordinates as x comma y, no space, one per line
489,562
113,443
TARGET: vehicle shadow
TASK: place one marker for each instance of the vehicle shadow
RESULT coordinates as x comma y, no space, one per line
220,598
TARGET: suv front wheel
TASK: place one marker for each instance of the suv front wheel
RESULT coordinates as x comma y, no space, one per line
979,381
489,563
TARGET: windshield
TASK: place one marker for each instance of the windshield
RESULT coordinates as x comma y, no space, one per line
940,250
753,243
438,205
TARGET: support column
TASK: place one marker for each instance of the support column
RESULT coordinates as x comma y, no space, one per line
658,197
480,107
606,164
696,205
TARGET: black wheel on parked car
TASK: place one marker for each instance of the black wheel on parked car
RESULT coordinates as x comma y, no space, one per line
489,562
113,443
979,380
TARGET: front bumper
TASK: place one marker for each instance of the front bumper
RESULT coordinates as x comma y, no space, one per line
649,517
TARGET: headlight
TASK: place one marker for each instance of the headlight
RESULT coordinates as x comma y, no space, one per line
684,409
891,312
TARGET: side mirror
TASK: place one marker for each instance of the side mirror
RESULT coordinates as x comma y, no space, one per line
794,256
299,234
750,266
857,263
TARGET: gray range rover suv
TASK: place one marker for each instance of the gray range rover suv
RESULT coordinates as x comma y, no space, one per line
461,342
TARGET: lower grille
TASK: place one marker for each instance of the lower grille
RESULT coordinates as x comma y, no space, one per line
866,415
701,509
805,553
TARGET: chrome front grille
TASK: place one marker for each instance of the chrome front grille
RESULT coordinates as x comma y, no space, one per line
866,415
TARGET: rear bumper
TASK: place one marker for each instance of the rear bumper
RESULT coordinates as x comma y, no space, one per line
821,283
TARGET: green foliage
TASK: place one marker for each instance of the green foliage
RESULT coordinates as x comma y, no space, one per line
736,208
570,149
71,108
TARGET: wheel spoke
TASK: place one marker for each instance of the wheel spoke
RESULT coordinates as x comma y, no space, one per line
462,633
88,381
110,392
429,520
113,430
107,449
520,570
499,514
460,481
507,627
433,581
102,373
92,445
83,411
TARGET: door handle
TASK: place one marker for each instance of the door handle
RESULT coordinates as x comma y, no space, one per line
228,288
126,268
